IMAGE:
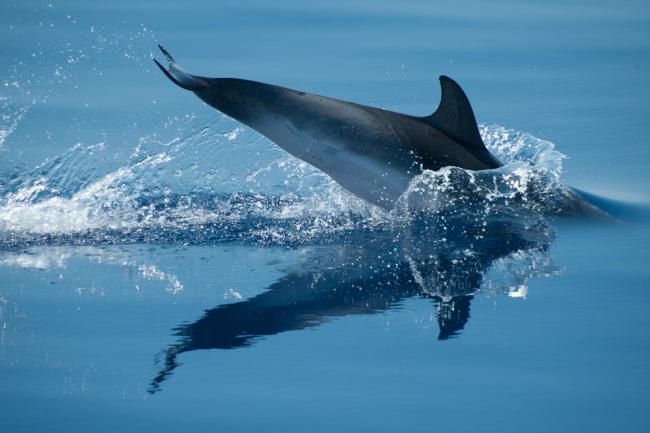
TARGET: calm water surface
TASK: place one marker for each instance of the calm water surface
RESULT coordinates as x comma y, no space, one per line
163,268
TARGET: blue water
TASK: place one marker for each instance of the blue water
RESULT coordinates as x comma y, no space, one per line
163,268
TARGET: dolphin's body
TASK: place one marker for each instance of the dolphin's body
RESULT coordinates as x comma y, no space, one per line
371,152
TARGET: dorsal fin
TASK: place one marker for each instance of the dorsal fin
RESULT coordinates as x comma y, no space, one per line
454,115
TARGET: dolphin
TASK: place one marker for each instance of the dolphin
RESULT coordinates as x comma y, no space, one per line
373,153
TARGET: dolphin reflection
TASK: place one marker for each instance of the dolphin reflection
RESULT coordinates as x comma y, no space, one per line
366,274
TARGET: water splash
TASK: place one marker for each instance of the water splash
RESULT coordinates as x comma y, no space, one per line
529,183
227,183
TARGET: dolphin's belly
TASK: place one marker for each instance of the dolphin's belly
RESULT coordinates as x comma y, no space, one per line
368,177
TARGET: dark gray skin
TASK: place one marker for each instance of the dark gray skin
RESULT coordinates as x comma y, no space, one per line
371,152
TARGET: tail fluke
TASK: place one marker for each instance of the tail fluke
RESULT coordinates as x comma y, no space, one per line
178,76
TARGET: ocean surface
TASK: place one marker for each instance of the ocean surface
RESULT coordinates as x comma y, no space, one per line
164,268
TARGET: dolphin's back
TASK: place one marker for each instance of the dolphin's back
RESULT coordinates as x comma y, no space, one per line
449,136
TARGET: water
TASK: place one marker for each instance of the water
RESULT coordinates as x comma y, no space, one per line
164,268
